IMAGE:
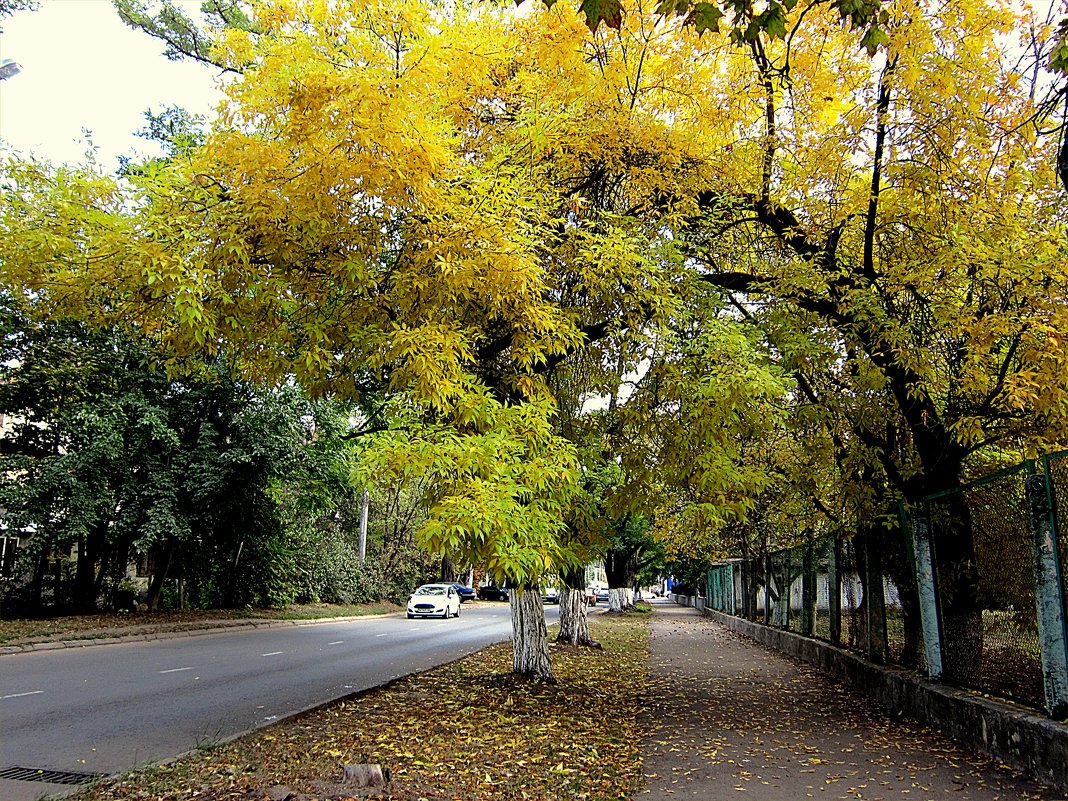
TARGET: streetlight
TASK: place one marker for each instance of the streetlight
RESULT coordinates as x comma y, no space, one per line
8,68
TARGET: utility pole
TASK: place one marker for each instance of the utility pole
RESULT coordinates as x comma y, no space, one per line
363,526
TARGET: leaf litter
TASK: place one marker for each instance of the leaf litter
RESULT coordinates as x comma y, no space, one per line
467,730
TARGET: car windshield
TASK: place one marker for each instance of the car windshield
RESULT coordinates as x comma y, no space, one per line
430,590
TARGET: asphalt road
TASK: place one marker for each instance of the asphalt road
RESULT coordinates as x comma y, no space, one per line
108,708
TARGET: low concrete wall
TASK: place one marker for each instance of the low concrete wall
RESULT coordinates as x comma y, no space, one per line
695,601
1011,734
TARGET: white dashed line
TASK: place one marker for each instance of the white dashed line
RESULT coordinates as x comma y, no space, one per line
175,670
381,635
20,695
336,642
273,653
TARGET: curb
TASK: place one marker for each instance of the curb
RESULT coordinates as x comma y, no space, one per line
88,642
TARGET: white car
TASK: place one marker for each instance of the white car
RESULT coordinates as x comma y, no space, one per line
434,600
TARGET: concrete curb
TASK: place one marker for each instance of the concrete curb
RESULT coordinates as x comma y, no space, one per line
1014,735
216,628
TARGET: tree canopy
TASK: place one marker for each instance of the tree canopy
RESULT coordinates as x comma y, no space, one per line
807,248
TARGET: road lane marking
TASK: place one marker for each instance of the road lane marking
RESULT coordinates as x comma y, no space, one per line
175,670
273,653
21,695
336,642
381,635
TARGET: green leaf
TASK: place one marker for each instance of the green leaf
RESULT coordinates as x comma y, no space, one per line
774,22
705,17
874,38
668,7
610,12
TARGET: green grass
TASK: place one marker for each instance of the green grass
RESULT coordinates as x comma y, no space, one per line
22,631
319,611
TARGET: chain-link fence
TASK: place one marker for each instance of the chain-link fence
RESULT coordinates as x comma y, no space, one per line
986,629
818,590
1056,470
987,597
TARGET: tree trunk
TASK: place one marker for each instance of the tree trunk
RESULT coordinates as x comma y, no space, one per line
37,587
620,599
574,618
959,594
448,570
85,573
530,638
619,568
155,586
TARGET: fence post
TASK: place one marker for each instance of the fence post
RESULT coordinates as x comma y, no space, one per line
923,566
754,586
874,600
746,579
728,591
834,589
808,591
767,589
1048,600
787,587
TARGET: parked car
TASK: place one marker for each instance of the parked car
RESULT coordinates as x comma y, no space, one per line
465,593
602,594
550,595
434,600
491,592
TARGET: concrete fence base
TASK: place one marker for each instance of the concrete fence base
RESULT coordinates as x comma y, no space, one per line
1011,734
696,601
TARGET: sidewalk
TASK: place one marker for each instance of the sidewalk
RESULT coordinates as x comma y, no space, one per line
731,719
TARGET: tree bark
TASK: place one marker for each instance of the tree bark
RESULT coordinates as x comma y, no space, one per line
959,595
159,576
89,554
530,638
620,599
448,570
619,565
574,617
37,587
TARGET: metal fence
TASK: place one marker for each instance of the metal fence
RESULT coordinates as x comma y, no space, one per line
969,588
989,642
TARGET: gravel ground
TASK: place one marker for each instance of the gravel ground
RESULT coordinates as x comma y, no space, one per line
727,718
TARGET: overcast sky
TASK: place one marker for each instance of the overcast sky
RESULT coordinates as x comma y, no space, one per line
83,68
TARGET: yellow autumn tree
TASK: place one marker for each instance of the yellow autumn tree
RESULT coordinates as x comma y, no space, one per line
448,204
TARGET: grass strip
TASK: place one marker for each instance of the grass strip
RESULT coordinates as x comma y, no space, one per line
467,730
24,631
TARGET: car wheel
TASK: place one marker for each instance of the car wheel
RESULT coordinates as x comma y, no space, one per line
411,616
457,612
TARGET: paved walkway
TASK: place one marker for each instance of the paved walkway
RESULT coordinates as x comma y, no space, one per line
734,720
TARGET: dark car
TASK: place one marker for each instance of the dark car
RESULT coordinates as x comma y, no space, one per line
491,592
465,593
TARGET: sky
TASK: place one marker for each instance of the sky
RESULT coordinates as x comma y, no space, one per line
83,68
